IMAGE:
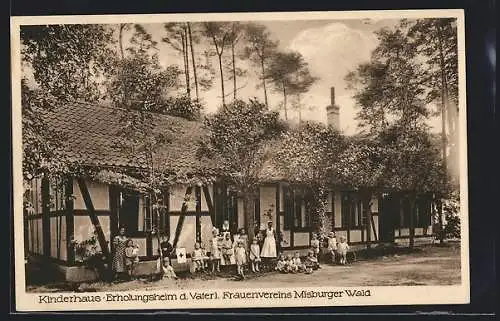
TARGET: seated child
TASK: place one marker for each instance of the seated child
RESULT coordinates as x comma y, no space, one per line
204,256
332,245
227,249
281,264
168,270
311,262
298,262
131,256
315,245
241,258
342,248
291,266
197,258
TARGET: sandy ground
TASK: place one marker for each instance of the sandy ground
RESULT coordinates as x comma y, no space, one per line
430,265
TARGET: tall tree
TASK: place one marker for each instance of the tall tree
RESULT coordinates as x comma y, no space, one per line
178,38
289,74
238,140
390,88
65,63
234,38
436,41
259,48
307,156
142,41
220,35
193,60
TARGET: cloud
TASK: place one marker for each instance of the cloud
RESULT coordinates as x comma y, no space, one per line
331,52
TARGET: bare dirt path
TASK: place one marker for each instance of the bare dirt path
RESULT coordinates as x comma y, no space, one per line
431,266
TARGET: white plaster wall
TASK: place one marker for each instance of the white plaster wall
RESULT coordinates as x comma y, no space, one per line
267,202
301,239
338,210
84,228
355,236
98,192
54,234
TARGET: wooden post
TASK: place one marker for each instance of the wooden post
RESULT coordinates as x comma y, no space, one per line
412,220
93,217
368,217
197,193
46,216
70,221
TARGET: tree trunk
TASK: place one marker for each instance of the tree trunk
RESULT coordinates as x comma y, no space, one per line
264,81
249,211
284,102
193,61
234,69
412,220
186,54
120,40
222,80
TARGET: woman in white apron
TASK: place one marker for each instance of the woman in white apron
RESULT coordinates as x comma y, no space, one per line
269,246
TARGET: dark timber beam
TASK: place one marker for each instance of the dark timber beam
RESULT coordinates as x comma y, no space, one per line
181,217
210,205
93,217
46,216
197,192
70,220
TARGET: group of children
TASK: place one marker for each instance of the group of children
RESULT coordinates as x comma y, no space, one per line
224,251
289,264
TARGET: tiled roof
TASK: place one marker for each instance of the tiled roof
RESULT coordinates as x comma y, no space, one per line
92,133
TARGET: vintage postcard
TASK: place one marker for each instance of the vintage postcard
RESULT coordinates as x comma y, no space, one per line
239,160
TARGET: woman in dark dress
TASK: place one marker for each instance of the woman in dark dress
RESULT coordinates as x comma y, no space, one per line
119,245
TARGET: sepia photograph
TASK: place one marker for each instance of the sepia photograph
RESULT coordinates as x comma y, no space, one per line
239,160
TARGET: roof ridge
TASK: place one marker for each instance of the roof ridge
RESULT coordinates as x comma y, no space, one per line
110,107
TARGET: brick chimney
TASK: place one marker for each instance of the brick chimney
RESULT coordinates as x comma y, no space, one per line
332,112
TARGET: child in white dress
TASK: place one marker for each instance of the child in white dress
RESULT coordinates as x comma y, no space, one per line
315,245
298,262
332,245
197,258
342,249
255,255
241,258
215,250
168,270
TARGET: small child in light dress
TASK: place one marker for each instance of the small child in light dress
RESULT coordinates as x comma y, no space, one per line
332,245
255,255
342,248
204,256
281,264
315,245
131,256
197,258
168,270
241,258
227,249
298,262
215,250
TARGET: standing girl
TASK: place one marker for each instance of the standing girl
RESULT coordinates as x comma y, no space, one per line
255,255
241,258
215,250
131,256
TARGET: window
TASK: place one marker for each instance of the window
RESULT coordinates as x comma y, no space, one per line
353,215
404,213
297,208
136,213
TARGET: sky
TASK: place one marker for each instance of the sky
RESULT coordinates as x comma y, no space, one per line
331,48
